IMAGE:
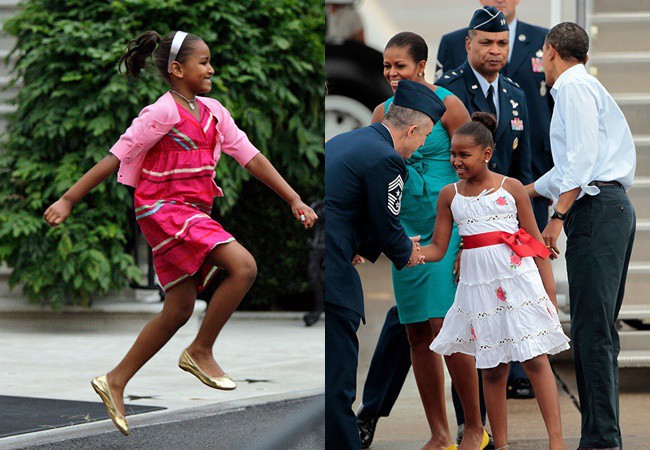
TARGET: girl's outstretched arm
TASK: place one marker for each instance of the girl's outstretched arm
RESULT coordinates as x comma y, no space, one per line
436,250
265,172
528,223
60,210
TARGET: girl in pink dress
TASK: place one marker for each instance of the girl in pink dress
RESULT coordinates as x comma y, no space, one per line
169,154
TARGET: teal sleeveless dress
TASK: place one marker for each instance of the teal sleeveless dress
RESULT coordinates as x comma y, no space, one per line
426,291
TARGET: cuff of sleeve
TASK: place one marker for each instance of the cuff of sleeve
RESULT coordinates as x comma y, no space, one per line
541,187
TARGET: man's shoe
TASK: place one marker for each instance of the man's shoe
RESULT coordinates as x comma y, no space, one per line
520,388
367,422
311,318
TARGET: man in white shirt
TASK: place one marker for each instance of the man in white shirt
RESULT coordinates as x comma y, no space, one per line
594,159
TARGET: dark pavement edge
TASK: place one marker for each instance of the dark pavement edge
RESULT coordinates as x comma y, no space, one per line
105,430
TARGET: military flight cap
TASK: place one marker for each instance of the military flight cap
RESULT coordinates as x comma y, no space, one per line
414,95
488,19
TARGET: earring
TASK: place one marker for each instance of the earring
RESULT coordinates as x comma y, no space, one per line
486,161
420,74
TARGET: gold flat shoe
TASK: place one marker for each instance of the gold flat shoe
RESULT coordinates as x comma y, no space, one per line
486,439
100,385
225,383
451,447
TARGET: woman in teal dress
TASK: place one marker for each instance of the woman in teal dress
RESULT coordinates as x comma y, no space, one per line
424,293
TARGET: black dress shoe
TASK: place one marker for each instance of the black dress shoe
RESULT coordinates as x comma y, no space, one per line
520,388
367,422
311,318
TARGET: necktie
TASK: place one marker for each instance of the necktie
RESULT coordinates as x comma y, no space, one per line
490,100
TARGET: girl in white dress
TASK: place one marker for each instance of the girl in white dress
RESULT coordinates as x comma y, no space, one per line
505,307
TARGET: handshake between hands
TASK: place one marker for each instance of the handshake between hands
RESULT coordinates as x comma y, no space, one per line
415,259
416,256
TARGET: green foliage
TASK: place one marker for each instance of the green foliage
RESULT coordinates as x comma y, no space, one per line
73,105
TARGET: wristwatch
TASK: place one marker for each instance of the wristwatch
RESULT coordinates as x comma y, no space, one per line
558,215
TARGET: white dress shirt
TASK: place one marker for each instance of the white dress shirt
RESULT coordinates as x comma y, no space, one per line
485,86
512,26
590,138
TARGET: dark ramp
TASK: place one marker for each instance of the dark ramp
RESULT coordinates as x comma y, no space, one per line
20,415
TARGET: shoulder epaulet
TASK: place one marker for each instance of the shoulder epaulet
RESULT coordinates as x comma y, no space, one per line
452,75
509,80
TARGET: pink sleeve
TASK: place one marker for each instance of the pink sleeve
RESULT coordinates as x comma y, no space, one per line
125,148
235,142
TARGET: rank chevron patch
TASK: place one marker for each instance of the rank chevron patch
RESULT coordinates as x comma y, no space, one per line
395,189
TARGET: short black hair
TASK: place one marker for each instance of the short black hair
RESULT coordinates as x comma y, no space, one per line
570,40
414,44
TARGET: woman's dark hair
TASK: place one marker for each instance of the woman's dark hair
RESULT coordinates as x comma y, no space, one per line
415,45
481,129
150,43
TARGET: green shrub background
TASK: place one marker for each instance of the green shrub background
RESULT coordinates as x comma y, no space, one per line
73,105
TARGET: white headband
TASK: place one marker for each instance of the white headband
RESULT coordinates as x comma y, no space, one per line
179,37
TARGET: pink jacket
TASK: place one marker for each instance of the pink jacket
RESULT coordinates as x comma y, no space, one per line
159,118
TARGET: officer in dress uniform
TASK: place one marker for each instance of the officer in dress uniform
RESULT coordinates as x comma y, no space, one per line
479,85
364,177
525,68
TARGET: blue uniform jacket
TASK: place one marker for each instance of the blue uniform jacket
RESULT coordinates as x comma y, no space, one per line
511,155
364,178
523,68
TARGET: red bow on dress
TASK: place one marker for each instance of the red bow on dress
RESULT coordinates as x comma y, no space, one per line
521,242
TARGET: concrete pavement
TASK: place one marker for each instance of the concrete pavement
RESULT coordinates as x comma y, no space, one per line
406,428
272,356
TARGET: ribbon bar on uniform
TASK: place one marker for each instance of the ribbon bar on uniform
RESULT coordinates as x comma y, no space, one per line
521,242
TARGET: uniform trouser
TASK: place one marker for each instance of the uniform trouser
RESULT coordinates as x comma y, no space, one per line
540,209
600,233
341,359
390,364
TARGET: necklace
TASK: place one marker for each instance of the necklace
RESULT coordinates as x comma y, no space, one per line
189,102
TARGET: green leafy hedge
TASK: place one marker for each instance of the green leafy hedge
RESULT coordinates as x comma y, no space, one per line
73,105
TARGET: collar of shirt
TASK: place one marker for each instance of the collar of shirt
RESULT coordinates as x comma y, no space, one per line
485,85
391,134
512,26
571,73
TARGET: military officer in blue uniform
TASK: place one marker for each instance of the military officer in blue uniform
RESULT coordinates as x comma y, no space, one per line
479,85
364,176
525,68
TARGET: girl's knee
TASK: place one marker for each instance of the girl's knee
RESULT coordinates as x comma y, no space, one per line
246,269
535,364
419,335
496,374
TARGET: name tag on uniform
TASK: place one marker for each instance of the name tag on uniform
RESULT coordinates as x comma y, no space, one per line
517,124
537,65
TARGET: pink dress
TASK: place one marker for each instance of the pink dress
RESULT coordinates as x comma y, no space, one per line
173,200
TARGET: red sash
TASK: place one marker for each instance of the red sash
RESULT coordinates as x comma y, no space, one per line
522,243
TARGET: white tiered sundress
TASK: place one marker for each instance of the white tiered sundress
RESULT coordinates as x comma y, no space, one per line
501,311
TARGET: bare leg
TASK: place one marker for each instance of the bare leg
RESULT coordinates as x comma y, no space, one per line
541,376
430,379
494,391
177,309
462,370
242,270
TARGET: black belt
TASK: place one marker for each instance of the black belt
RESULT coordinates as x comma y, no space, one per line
606,183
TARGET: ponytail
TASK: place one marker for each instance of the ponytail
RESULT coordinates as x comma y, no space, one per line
151,43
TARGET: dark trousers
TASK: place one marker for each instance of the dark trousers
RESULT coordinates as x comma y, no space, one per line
600,233
390,364
341,359
540,209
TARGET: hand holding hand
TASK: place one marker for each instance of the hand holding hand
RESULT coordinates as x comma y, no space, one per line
304,214
58,212
550,235
358,259
416,258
